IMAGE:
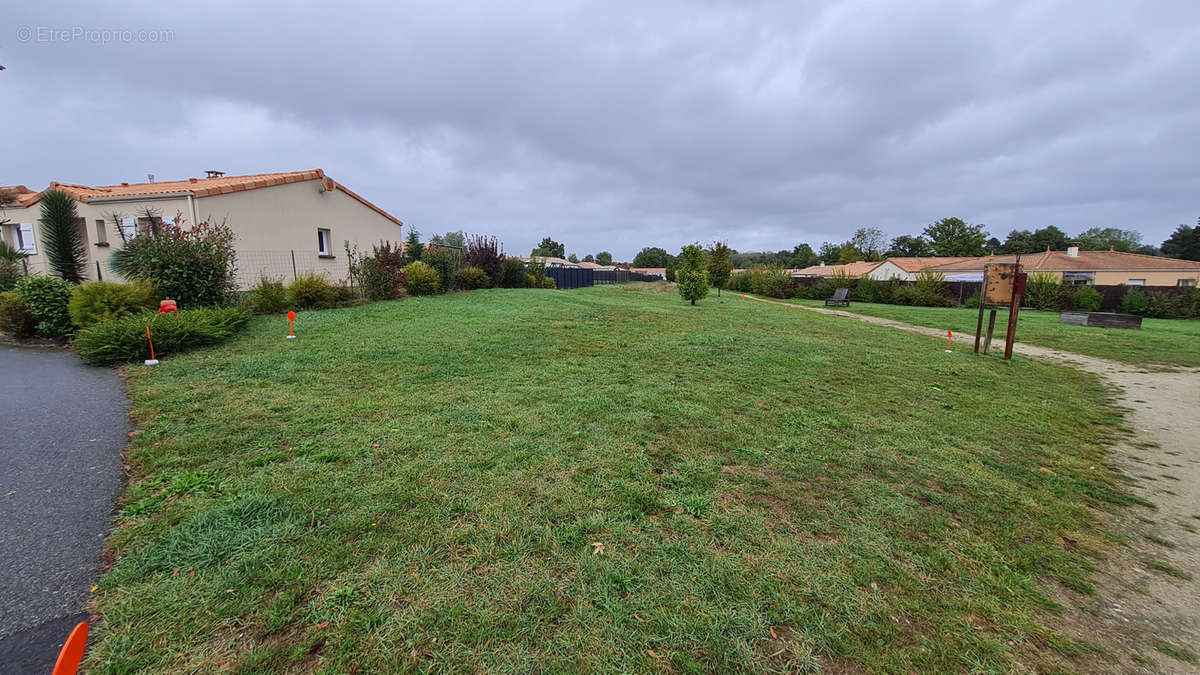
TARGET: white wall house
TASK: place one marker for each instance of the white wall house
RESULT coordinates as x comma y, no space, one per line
285,223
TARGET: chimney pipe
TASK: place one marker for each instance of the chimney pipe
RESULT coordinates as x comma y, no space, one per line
1072,251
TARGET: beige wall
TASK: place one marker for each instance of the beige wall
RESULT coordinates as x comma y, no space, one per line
272,222
269,223
1152,278
1116,278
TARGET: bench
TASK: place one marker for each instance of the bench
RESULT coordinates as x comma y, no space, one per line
1104,319
839,298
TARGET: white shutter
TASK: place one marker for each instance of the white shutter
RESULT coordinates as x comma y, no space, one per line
26,240
128,228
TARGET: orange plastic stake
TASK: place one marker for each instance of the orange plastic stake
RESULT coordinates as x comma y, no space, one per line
72,651
291,328
949,337
152,361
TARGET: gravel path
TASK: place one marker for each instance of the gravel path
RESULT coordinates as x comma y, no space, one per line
64,425
1136,606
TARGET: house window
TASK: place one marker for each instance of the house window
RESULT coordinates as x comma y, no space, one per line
1078,278
1189,283
323,247
25,242
101,233
1136,282
128,228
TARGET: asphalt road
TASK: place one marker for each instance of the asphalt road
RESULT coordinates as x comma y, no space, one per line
62,427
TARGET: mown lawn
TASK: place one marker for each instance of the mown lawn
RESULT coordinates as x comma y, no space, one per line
1170,342
602,479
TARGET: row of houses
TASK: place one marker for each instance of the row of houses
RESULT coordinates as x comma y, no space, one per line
285,223
1071,267
549,261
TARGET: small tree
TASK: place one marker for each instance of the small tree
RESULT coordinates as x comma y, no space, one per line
195,266
62,237
692,274
719,267
573,258
413,248
486,254
603,258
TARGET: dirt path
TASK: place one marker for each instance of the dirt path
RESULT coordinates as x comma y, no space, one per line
1140,612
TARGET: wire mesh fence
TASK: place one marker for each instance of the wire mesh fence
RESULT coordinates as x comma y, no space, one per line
287,266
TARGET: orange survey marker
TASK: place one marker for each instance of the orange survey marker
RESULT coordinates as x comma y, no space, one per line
72,651
291,328
949,337
150,361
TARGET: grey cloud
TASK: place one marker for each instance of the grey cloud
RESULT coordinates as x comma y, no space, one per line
610,127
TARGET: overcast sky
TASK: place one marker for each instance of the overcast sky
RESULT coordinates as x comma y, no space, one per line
620,125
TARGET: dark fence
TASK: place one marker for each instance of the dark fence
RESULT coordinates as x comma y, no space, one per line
571,277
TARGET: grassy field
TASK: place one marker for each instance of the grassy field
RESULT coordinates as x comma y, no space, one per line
1171,342
602,479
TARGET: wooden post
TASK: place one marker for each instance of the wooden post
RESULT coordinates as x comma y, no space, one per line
979,323
1013,310
987,341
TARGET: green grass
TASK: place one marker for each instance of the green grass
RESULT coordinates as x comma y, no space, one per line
1169,342
571,480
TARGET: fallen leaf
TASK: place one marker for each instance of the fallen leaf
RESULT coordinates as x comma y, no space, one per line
597,548
761,404
1045,470
774,636
652,654
637,618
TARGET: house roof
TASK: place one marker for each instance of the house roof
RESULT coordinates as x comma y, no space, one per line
854,269
649,270
917,264
197,187
546,260
1085,261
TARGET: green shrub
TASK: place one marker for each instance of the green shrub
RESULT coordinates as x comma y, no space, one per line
914,295
98,301
47,299
312,291
15,318
867,290
821,290
691,277
379,276
843,280
1158,305
512,274
973,300
1135,302
886,289
442,260
193,266
740,282
471,278
929,284
1086,299
10,266
124,339
269,296
421,279
1043,291
771,281
534,281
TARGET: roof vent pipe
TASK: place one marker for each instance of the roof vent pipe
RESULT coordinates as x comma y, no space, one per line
1072,251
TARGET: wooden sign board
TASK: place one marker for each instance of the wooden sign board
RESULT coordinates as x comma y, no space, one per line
998,281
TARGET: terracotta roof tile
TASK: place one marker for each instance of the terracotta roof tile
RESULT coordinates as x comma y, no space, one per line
854,269
199,187
917,264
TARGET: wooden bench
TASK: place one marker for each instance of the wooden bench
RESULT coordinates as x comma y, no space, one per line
839,298
1102,319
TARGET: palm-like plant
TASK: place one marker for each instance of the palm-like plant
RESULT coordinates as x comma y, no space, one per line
62,236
